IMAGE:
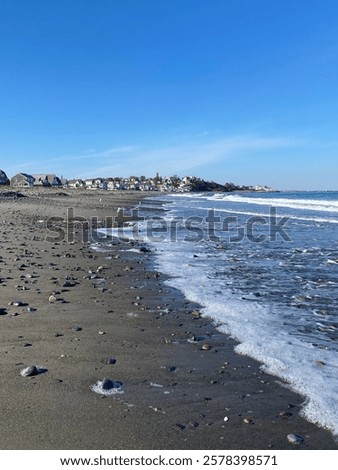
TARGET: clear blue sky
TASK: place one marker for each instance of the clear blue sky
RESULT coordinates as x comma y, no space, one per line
229,90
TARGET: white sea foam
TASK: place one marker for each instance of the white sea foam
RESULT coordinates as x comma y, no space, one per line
287,357
303,204
281,336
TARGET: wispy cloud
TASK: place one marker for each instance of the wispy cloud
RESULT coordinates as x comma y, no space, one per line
185,157
181,158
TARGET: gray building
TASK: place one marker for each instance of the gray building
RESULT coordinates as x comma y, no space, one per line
22,180
47,180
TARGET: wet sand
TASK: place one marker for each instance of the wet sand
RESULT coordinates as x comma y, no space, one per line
67,309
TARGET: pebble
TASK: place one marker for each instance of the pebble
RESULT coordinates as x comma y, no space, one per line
111,360
196,314
29,371
107,387
76,328
248,421
180,426
295,439
52,298
192,339
16,303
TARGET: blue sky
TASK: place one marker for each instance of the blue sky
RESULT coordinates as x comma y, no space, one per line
228,90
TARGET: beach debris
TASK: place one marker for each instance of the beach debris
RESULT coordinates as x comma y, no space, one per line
107,386
295,439
226,419
102,332
52,298
32,370
206,347
155,385
3,311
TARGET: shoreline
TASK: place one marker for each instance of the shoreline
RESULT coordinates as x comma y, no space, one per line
177,394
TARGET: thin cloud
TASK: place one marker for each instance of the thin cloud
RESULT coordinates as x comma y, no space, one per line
187,157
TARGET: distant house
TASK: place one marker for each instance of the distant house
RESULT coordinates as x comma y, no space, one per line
3,178
96,183
49,180
22,180
76,183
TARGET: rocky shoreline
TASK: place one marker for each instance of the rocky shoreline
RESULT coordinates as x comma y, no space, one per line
99,353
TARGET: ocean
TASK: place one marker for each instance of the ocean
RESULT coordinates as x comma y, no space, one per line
264,268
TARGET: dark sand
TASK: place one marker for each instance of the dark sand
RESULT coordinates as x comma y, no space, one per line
176,394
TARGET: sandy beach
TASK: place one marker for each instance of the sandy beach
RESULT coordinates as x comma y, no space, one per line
80,316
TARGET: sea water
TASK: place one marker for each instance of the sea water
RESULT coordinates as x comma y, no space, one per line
264,268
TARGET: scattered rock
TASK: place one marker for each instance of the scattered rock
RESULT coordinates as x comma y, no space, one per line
111,360
107,387
248,421
76,328
31,371
295,439
180,426
196,314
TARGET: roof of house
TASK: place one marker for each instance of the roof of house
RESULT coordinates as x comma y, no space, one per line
25,175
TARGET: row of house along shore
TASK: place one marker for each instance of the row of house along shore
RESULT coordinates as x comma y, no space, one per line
133,183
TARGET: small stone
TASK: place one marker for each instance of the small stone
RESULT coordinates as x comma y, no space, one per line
285,414
52,298
107,384
206,347
111,360
102,333
295,439
180,426
194,424
76,328
196,314
29,371
69,284
192,339
248,421
107,387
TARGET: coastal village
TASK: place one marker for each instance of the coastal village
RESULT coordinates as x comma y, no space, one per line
132,183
